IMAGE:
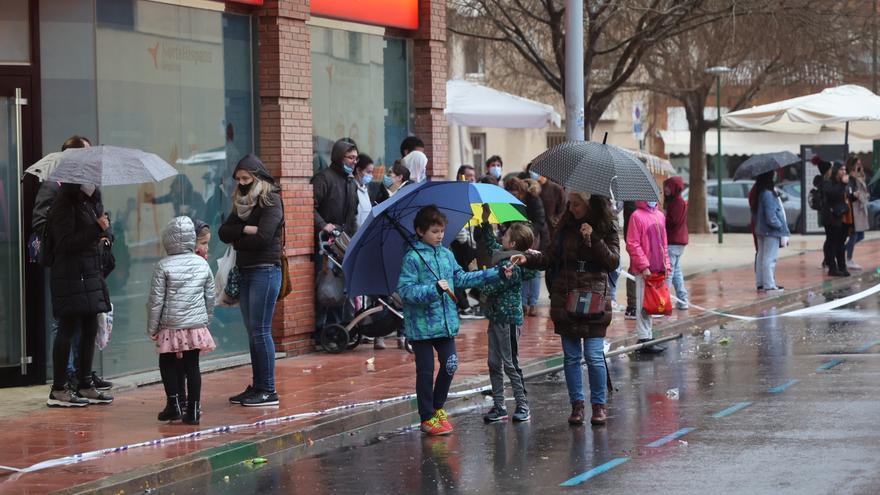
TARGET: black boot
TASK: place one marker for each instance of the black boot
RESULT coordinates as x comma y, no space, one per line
651,349
172,409
193,413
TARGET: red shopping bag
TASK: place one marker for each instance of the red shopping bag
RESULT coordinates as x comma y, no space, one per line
656,300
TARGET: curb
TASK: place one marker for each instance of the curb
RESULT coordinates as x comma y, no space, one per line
339,430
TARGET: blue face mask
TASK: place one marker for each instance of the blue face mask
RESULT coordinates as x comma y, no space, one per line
348,170
652,204
534,175
495,172
387,181
366,179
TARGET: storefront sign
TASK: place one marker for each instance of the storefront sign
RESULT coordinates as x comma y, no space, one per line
391,13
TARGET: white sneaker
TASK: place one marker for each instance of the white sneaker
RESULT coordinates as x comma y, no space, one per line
852,265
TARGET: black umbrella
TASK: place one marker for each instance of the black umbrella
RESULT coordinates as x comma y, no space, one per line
763,163
597,168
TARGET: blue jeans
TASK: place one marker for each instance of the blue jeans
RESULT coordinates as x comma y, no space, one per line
259,291
574,351
677,279
613,277
851,243
531,289
765,265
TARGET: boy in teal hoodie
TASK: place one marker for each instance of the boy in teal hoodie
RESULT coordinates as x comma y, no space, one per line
505,314
428,278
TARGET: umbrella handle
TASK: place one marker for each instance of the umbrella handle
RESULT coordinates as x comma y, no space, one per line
452,295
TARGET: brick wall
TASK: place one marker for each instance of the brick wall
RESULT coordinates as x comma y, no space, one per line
285,120
285,116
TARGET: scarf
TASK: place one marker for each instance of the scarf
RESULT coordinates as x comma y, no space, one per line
244,205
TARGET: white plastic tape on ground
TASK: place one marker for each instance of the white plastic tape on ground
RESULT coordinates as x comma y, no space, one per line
810,311
95,454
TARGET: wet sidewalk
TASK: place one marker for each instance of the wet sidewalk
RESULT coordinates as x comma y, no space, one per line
321,381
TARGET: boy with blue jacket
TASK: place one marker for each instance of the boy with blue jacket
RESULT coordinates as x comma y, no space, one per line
428,278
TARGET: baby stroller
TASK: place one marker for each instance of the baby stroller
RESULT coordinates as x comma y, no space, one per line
373,316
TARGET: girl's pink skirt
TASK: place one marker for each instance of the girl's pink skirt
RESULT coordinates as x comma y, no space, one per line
184,339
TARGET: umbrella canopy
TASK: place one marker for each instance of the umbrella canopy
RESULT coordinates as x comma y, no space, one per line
499,213
767,162
654,163
373,259
833,107
469,104
45,166
110,166
597,168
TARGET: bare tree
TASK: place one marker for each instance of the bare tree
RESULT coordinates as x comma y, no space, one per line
618,34
771,43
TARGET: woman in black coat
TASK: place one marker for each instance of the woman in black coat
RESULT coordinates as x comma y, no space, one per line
77,226
834,192
254,228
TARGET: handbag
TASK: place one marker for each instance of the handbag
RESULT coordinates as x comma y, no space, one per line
286,285
656,300
581,304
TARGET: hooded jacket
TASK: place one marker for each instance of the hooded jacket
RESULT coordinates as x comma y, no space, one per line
676,212
77,284
182,287
563,260
264,247
335,193
646,240
428,313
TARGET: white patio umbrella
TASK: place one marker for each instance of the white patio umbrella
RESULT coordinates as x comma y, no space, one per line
850,108
472,105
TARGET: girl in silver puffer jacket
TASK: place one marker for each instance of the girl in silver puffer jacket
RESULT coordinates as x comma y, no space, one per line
178,312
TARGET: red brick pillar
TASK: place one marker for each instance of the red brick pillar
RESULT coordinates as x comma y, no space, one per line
285,86
429,85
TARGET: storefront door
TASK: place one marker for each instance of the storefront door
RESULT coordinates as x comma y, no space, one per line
15,357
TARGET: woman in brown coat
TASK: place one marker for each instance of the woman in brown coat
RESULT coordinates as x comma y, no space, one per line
584,248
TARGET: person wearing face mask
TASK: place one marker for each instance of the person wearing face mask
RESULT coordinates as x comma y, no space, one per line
646,244
76,225
335,191
363,176
254,228
494,167
397,178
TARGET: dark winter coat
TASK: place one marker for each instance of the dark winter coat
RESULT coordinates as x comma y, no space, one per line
535,214
676,212
264,247
77,285
553,198
335,194
601,254
833,202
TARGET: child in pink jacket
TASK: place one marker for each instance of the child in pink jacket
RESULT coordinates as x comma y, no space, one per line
646,245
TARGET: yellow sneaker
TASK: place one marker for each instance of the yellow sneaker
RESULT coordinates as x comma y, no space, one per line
443,418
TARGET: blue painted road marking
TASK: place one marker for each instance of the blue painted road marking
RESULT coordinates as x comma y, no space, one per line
829,364
781,388
732,409
865,347
672,436
577,480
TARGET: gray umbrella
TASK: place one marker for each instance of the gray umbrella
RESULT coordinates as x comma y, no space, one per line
110,166
763,163
597,168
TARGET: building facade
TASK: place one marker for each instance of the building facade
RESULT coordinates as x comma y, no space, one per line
200,83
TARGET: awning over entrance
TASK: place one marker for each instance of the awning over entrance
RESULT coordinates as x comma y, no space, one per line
471,105
735,142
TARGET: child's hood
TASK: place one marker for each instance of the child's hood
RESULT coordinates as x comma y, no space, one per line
179,236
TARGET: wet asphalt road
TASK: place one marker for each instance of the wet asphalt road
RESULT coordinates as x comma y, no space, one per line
788,406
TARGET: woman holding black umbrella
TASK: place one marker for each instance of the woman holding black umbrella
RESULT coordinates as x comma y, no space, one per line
584,249
771,229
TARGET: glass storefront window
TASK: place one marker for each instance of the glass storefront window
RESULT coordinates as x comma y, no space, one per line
360,89
172,80
15,32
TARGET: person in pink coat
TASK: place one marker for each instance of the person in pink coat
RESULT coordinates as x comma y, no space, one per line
646,245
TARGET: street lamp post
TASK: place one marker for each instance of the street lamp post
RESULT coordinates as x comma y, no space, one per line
718,71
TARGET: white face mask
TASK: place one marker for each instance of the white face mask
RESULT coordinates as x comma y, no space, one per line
88,189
